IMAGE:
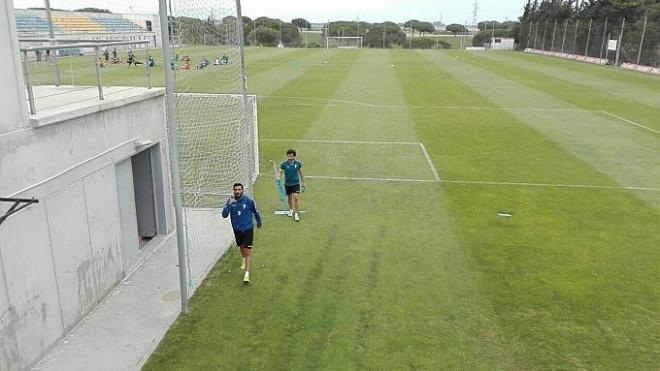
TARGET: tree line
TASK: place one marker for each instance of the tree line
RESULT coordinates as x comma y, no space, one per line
640,34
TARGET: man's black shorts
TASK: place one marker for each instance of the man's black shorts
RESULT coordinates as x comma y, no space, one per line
244,238
292,189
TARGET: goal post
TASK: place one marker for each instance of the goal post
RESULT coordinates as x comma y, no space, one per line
344,42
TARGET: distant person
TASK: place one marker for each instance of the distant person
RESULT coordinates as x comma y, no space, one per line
242,209
294,182
224,59
106,55
101,63
151,62
114,53
130,58
216,61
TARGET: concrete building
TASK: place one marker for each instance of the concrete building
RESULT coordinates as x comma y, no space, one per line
99,169
500,43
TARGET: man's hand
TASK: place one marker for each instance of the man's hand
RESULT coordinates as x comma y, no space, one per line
302,188
259,225
231,200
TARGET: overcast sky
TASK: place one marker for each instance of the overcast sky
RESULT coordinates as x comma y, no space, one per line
449,11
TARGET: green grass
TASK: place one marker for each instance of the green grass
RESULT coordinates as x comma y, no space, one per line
405,275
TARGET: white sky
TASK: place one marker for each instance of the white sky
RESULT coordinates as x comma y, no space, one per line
449,11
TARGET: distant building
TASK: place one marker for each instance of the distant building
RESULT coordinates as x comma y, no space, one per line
501,43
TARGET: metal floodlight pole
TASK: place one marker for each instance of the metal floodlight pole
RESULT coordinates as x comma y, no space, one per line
586,48
563,40
554,31
51,33
641,42
174,157
602,46
618,45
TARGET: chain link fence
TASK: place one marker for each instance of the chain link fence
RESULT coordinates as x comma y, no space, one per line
631,42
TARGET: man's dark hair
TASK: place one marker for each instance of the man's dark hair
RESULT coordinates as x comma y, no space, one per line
238,185
291,151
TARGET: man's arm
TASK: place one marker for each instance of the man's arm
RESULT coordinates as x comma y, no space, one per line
227,209
302,179
257,215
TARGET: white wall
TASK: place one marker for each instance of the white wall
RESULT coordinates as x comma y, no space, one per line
60,257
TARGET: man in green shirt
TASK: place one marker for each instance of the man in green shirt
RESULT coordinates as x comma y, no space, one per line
294,182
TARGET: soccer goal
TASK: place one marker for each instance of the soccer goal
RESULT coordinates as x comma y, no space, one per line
344,42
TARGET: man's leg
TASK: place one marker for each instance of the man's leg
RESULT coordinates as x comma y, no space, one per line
290,200
296,207
247,253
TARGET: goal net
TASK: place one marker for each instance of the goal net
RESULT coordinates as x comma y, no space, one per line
216,125
344,42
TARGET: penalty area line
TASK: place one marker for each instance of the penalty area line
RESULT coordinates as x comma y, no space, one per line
337,141
631,122
487,183
430,162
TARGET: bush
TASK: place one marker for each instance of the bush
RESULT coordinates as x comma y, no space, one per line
313,45
420,43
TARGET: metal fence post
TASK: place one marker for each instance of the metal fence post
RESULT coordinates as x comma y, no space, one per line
26,74
641,42
98,72
554,30
146,63
602,47
174,156
586,48
545,29
51,33
577,25
618,45
563,40
536,34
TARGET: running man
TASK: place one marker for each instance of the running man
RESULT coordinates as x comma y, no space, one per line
242,208
294,182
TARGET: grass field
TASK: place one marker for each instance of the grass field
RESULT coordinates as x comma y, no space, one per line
405,271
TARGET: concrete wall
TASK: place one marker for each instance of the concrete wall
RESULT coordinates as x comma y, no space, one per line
60,257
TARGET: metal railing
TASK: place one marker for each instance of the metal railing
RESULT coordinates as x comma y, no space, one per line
96,45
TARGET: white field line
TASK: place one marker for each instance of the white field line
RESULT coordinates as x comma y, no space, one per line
631,122
349,103
428,159
476,182
337,141
372,179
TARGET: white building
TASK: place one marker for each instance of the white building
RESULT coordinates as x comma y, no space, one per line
500,43
99,169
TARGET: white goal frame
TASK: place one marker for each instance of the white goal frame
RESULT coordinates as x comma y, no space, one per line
358,45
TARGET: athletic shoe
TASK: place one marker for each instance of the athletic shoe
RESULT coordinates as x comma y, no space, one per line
296,217
243,264
290,213
246,277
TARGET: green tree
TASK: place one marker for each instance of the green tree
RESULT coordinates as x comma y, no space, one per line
265,36
412,24
301,23
456,28
427,27
384,35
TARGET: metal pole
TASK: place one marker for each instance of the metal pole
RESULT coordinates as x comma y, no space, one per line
563,40
26,74
554,30
545,29
244,88
604,36
51,33
174,158
618,46
641,42
536,35
586,48
149,67
98,72
577,25
529,34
